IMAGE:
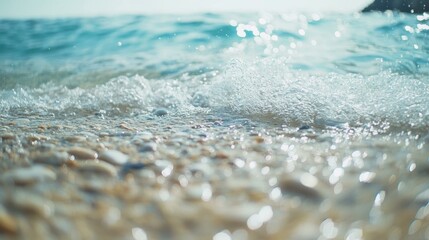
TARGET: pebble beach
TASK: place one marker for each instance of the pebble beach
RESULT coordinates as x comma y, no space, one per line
215,126
164,177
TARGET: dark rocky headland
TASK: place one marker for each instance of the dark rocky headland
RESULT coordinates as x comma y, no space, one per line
409,6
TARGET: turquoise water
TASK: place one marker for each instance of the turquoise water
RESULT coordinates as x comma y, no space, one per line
317,69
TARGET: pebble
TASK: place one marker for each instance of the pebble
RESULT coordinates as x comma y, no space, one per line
8,136
146,136
290,186
82,153
31,203
23,176
113,157
74,139
7,223
34,137
160,112
52,158
125,126
304,127
148,147
132,166
97,167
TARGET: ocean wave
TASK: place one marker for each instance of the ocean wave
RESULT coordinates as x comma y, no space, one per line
265,90
297,69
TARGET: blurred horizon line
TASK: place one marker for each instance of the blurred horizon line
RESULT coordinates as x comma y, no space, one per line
22,9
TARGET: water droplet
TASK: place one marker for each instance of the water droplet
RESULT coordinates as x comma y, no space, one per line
139,234
266,213
328,229
276,194
308,180
337,34
262,21
379,198
354,234
366,177
254,222
224,235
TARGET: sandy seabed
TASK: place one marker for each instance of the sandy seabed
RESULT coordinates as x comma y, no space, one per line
209,177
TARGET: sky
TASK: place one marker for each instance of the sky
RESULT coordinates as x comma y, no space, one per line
81,8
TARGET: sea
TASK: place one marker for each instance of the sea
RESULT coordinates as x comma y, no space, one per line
320,120
295,69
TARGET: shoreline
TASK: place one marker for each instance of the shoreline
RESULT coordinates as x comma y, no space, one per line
196,177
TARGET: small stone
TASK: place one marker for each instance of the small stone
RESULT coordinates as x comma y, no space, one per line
32,203
52,158
148,147
113,157
125,126
7,223
82,153
304,127
24,176
221,155
160,112
127,167
34,137
146,136
74,139
8,136
97,167
290,186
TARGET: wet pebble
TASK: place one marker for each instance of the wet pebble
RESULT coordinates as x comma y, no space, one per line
34,137
82,153
146,136
132,166
160,112
74,139
31,203
23,176
129,167
113,157
98,167
148,147
7,222
8,136
304,127
52,158
291,186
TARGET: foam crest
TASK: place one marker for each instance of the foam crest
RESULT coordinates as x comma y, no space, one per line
268,90
122,95
262,90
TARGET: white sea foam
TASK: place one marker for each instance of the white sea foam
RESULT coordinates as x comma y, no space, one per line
264,89
267,89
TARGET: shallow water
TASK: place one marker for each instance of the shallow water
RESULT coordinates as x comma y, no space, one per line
300,68
276,126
